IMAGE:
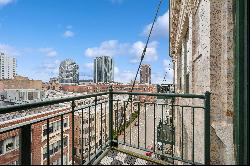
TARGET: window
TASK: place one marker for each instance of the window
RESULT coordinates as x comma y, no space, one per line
44,153
58,125
54,126
1,147
17,141
55,147
65,141
65,123
45,131
50,150
59,144
9,146
50,128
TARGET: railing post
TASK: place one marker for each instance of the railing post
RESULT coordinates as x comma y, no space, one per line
73,105
207,128
25,145
111,115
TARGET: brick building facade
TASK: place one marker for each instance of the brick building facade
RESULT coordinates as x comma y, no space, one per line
95,88
20,82
39,140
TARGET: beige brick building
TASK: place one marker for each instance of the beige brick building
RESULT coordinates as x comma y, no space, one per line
201,43
20,82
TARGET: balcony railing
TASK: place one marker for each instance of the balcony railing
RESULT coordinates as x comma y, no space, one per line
80,133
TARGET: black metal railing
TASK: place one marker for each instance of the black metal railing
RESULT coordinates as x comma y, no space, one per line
148,125
108,119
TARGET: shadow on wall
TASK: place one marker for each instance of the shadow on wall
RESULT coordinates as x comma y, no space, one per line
217,147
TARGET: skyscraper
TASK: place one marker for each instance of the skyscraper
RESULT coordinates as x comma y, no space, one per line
145,74
7,66
103,69
68,72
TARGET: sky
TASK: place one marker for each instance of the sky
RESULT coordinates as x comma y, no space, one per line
42,33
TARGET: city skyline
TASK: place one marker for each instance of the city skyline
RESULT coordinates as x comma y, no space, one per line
101,33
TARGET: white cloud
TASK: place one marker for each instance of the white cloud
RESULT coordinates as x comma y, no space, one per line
151,53
123,76
10,50
167,64
50,52
116,70
115,48
5,2
161,26
107,48
68,34
89,66
47,70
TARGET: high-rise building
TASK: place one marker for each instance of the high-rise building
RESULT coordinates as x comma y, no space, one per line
103,69
68,72
145,74
7,66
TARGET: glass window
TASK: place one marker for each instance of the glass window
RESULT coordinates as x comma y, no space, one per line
54,126
45,131
65,141
55,147
50,150
65,123
59,125
17,141
44,153
9,146
1,147
59,144
50,128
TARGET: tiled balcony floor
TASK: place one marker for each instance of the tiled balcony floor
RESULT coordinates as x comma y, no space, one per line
115,157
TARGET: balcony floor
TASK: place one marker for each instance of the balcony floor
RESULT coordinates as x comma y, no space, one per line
115,157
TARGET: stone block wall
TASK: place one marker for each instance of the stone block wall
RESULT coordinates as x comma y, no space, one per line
204,50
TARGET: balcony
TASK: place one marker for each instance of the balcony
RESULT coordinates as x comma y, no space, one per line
116,128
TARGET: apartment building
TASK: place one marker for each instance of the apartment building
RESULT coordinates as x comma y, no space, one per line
7,66
68,72
103,69
145,74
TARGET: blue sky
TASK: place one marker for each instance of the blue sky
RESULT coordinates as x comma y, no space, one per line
42,33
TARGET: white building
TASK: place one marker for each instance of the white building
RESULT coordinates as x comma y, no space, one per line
21,95
103,69
68,72
7,66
